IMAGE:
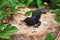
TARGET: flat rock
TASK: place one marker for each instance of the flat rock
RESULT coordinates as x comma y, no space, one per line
30,33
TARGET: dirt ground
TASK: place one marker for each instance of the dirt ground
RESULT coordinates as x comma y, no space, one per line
30,33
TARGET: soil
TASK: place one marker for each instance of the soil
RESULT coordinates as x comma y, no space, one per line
29,32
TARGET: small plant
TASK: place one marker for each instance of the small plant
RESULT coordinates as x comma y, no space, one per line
55,3
7,7
39,3
49,36
6,30
24,3
57,19
57,12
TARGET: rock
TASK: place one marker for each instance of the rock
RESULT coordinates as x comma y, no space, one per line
30,33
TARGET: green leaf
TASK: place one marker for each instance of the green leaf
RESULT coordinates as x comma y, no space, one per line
21,5
16,1
38,3
57,19
56,11
49,36
28,13
3,3
22,1
58,5
1,26
8,29
4,35
2,14
13,4
29,2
